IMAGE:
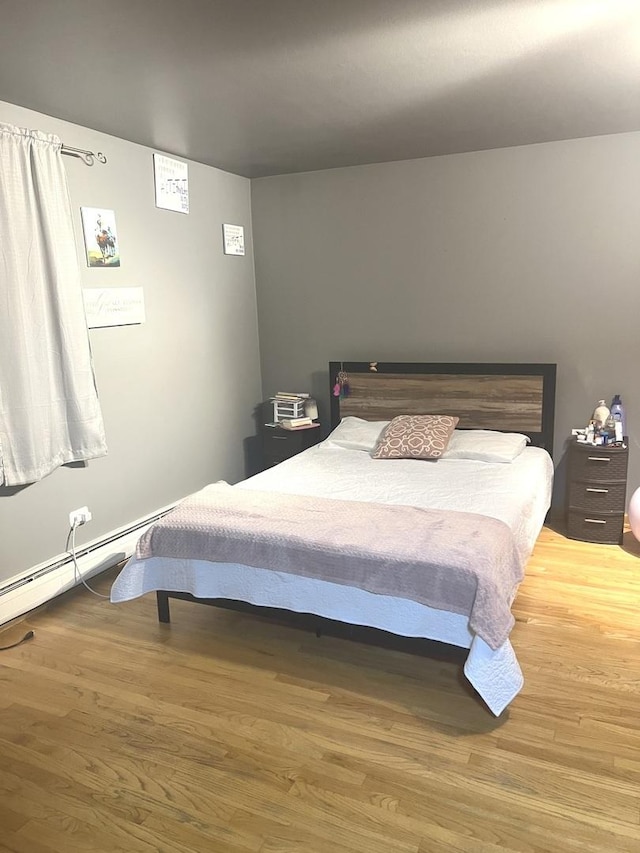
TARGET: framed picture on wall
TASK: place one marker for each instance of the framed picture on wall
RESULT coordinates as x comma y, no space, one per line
233,239
100,237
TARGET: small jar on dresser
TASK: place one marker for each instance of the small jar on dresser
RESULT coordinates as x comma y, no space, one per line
596,492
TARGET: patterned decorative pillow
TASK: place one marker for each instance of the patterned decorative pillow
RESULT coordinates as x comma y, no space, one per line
415,437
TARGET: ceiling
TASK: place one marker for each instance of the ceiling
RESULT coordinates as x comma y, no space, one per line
264,87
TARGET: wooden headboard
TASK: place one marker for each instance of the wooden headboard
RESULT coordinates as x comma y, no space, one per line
506,397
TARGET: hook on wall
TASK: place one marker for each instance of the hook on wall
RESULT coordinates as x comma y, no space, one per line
88,157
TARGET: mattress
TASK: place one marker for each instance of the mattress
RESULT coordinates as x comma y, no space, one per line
517,493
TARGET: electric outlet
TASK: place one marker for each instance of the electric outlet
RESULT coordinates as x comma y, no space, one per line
79,516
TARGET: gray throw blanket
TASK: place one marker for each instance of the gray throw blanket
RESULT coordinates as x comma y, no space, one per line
456,561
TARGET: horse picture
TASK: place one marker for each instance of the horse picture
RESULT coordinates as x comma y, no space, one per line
106,244
100,237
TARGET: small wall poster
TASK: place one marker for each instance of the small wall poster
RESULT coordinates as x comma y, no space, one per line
100,237
172,183
113,306
233,236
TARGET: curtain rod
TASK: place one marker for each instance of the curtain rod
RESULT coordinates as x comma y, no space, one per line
87,157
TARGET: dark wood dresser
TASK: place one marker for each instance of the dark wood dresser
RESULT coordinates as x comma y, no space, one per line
596,492
279,444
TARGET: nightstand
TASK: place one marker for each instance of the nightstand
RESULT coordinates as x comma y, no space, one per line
279,444
596,491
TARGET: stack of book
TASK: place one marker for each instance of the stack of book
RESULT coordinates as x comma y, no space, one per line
298,423
290,395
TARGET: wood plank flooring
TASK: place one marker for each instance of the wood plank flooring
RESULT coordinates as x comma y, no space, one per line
230,732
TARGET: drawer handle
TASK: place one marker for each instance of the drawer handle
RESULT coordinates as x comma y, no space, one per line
279,437
599,458
595,521
599,491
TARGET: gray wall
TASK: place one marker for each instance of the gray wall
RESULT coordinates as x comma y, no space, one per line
519,254
178,392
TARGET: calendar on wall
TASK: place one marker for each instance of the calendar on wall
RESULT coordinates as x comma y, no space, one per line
172,183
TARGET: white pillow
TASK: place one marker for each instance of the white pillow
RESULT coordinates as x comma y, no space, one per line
355,434
484,445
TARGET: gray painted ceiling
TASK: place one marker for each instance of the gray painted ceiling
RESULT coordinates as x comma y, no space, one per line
264,87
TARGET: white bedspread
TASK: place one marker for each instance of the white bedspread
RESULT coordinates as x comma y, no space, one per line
517,493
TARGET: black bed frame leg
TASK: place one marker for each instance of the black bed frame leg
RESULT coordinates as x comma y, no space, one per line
163,606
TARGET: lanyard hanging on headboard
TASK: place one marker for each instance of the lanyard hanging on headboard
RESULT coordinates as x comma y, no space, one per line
341,387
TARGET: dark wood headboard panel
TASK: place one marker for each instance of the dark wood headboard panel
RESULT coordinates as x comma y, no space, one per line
506,397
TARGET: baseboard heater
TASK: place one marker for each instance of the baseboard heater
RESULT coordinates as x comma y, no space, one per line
45,581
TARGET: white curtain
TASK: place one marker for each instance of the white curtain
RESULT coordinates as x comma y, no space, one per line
49,409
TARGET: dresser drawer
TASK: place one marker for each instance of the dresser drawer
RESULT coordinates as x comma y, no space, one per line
597,496
279,441
279,444
597,464
592,527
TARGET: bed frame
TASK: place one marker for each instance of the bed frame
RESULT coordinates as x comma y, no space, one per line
506,397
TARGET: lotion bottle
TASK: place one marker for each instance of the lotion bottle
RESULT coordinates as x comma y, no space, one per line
601,413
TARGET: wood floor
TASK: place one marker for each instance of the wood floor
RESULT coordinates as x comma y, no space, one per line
228,732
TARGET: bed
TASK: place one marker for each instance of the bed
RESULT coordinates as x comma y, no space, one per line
484,500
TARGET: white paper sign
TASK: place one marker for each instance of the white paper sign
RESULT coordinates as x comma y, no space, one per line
172,183
233,239
113,306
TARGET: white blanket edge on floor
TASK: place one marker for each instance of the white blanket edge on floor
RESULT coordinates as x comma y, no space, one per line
495,675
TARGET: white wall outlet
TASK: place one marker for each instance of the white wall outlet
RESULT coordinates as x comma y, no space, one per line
79,516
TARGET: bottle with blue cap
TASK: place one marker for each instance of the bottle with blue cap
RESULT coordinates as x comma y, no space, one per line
617,410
